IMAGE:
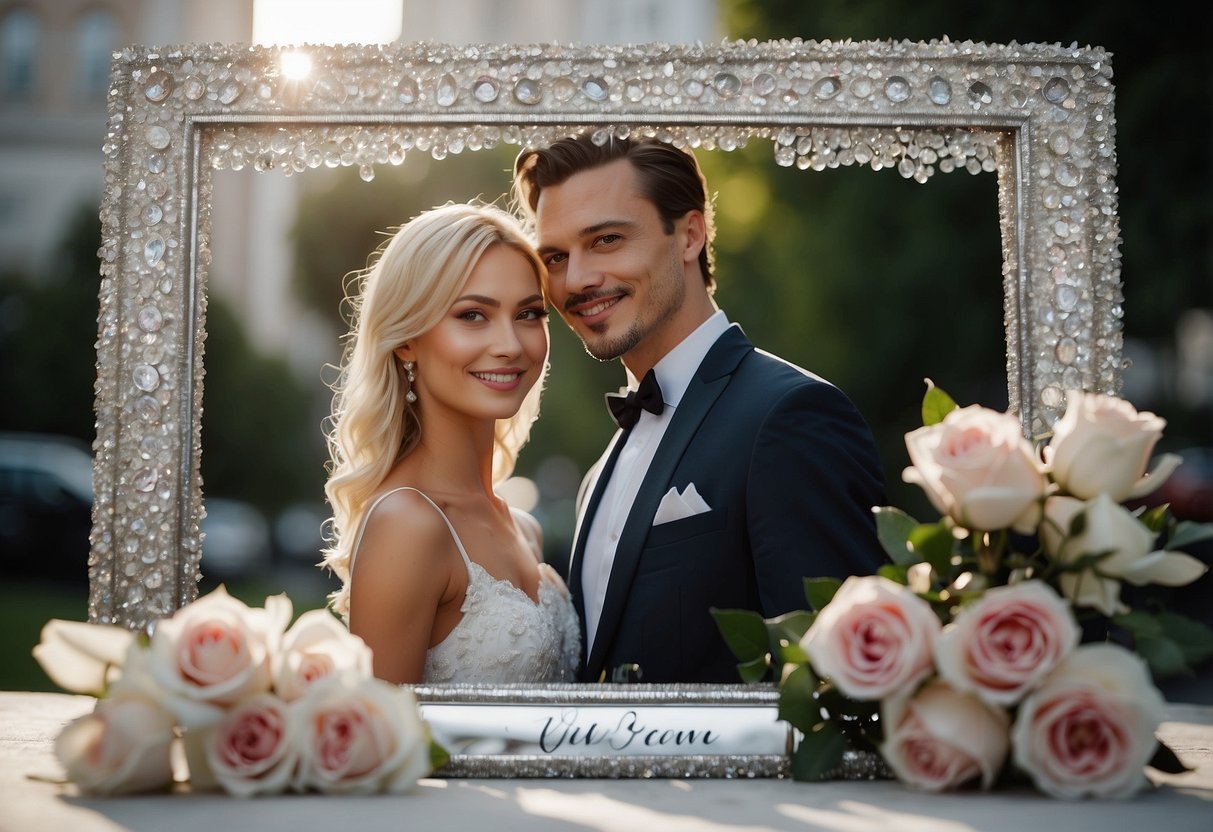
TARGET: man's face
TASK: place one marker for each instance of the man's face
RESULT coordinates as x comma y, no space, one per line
615,275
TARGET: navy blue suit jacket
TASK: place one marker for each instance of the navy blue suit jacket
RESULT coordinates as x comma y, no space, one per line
790,472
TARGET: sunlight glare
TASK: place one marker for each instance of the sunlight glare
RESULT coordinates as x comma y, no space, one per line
326,21
296,65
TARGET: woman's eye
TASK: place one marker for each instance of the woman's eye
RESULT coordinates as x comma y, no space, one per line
535,314
471,315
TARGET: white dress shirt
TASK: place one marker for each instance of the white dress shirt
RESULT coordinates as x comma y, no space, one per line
674,373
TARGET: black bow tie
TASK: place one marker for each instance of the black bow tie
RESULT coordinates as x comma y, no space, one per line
626,409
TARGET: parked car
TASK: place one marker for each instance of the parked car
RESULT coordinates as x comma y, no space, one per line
46,507
236,540
1189,489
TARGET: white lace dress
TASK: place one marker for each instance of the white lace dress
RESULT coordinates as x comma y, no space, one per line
503,636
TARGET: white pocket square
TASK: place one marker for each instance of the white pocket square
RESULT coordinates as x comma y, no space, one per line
675,506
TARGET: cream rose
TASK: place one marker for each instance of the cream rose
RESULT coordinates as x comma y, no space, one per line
213,653
317,645
251,750
359,735
1002,644
1110,528
976,467
874,638
122,747
82,657
1088,730
941,738
1102,444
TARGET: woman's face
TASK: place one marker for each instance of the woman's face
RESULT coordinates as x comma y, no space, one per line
490,348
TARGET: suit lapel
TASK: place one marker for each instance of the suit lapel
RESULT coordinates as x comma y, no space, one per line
584,519
706,386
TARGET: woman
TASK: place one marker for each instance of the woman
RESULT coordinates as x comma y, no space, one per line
439,385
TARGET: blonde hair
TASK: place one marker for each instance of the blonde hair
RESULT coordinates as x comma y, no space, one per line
403,294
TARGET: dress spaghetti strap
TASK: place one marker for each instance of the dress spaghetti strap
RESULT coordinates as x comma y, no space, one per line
366,517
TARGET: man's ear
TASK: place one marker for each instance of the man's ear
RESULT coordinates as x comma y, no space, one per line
696,236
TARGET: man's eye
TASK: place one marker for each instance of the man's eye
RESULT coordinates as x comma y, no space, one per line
608,239
554,260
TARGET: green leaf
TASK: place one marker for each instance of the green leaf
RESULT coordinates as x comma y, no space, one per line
933,543
1155,519
819,591
754,670
1194,637
1140,623
1188,532
898,574
936,404
744,632
796,704
1166,761
791,625
439,756
819,753
1165,657
893,527
789,652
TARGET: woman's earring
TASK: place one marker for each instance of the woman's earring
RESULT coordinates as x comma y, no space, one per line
410,396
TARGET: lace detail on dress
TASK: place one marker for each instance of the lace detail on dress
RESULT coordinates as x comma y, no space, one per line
503,636
506,637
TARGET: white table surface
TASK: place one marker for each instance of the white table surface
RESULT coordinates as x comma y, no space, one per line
28,803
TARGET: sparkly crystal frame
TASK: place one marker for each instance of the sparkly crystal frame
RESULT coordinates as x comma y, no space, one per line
1040,116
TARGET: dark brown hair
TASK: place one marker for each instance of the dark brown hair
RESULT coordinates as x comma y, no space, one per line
669,178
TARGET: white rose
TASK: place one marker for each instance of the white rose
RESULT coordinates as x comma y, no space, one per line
122,747
941,738
359,735
1088,730
1102,444
976,467
213,653
874,638
1111,528
315,646
1002,644
81,657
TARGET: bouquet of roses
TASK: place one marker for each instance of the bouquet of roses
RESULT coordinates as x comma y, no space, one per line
998,643
257,708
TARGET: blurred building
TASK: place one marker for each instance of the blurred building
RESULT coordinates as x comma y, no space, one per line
54,73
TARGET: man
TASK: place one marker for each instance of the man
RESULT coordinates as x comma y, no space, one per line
741,475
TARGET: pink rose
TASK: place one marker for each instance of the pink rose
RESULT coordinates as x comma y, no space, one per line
360,735
250,751
874,638
941,738
1002,644
1103,445
976,467
1088,730
317,645
213,653
122,747
1127,544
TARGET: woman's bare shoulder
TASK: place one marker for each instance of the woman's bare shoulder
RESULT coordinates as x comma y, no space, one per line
406,530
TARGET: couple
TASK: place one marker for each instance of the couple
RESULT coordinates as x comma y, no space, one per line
734,474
